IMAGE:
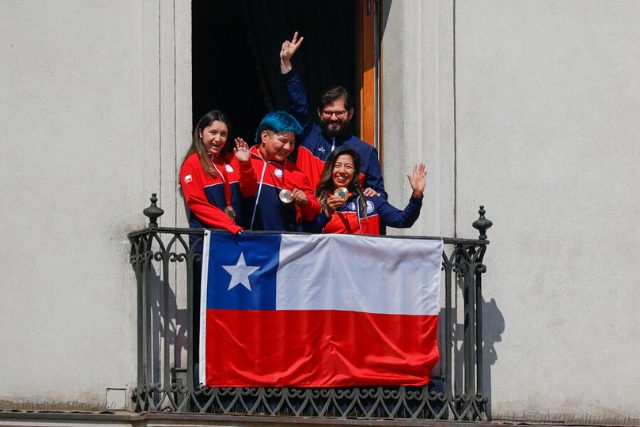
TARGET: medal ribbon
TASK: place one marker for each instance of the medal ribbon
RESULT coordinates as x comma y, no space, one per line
264,169
225,182
283,189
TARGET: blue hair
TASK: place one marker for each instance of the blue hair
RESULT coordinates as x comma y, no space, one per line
278,122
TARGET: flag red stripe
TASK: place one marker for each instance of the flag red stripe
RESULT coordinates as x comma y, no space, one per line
318,348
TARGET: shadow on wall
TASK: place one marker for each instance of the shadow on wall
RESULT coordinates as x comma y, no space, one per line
493,327
386,10
164,306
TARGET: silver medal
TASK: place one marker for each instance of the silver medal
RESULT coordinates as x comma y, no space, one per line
285,196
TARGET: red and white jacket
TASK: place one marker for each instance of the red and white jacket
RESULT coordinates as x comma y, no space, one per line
265,210
205,195
349,219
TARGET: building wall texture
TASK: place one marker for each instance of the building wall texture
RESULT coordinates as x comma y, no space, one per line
528,107
544,102
93,96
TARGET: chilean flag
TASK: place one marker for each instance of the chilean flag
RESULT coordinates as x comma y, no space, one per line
333,310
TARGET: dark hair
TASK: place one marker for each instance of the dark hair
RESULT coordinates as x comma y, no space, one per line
334,94
197,145
278,122
325,185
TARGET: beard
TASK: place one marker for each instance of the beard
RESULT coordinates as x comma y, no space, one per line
341,131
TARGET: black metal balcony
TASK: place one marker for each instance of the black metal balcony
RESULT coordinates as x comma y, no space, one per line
162,260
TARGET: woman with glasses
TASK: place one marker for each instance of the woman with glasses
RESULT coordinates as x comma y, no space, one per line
333,130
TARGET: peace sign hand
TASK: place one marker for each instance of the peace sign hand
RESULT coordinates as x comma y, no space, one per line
287,51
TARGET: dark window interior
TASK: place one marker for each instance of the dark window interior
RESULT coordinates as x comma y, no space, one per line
236,44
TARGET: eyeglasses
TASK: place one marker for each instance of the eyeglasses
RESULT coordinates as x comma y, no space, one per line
329,114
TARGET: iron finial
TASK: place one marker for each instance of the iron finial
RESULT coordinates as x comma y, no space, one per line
482,224
153,211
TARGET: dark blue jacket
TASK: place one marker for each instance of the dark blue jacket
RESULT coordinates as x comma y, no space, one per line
349,219
315,146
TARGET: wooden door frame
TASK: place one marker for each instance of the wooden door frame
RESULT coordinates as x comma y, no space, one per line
368,107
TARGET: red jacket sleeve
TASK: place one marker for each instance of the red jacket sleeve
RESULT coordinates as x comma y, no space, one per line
310,165
312,209
247,177
192,180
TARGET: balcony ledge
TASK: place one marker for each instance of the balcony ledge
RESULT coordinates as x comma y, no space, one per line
153,419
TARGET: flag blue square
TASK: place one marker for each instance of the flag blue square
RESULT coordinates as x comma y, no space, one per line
242,271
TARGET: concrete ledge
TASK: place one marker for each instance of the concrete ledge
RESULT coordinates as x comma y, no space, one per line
168,419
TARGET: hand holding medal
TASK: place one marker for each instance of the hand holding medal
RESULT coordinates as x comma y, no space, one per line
296,196
299,197
335,202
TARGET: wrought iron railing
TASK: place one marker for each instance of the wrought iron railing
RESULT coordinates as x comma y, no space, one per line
162,260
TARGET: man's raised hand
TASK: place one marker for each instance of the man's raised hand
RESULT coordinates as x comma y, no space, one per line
287,51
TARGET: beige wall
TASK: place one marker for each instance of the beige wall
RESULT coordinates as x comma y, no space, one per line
94,112
529,107
547,107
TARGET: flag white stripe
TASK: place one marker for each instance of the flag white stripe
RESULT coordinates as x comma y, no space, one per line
203,305
359,273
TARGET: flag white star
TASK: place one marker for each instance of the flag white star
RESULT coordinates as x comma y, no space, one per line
240,273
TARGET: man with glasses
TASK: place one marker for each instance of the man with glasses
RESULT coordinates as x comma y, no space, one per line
334,131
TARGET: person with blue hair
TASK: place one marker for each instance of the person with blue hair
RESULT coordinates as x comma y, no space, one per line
284,197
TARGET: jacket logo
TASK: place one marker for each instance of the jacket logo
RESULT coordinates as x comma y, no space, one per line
370,206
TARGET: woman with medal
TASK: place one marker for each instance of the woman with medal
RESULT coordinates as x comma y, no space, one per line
346,210
214,176
214,179
284,197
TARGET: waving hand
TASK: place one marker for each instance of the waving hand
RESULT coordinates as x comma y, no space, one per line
241,150
418,180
